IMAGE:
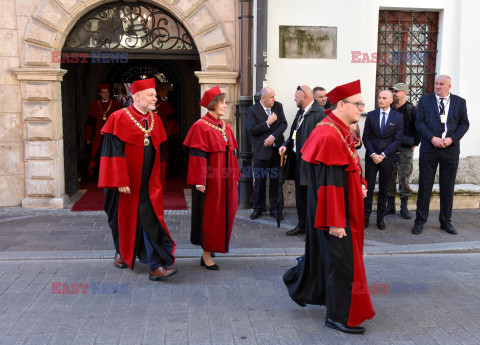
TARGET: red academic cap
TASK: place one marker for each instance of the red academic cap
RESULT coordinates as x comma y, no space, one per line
142,84
103,86
209,95
344,91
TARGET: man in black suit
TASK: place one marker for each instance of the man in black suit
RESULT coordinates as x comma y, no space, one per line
306,119
266,123
320,96
442,121
382,136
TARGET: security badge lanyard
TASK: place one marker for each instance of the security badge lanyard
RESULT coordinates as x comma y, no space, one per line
299,122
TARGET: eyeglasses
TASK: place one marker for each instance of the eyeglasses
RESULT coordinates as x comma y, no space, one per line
358,104
300,89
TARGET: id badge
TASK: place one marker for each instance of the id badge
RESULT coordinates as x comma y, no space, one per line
443,118
294,135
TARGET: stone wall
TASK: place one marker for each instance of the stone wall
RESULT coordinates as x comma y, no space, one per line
12,169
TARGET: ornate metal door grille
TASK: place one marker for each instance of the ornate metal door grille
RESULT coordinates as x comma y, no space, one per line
407,51
129,26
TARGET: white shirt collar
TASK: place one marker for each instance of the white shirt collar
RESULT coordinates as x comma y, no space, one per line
385,111
264,106
307,108
445,98
139,109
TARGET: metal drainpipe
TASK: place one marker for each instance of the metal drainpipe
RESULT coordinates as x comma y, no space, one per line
261,51
245,160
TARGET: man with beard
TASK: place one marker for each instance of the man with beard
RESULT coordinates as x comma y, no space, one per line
309,114
130,170
332,272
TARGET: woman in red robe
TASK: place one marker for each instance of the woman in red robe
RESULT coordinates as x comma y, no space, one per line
214,173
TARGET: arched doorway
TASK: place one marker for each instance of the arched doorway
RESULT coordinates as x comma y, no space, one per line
118,43
212,28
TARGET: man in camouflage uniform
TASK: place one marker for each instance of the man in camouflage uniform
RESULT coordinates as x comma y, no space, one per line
404,166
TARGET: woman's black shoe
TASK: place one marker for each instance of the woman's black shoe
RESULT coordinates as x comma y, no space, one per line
213,267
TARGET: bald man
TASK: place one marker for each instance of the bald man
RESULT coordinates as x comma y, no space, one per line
266,123
382,137
309,114
442,121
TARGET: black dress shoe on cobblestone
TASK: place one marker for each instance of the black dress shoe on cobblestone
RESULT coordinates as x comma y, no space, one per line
417,228
344,328
213,267
381,224
448,228
296,231
256,214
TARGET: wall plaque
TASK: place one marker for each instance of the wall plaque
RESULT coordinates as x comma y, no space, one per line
308,42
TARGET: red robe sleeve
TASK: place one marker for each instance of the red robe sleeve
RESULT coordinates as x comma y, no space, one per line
326,150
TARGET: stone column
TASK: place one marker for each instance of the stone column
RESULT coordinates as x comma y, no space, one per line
43,137
227,81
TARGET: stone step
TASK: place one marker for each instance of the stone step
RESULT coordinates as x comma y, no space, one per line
466,196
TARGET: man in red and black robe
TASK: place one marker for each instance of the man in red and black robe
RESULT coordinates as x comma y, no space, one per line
98,113
130,172
332,271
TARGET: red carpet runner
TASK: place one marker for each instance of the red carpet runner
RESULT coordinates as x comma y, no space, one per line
173,197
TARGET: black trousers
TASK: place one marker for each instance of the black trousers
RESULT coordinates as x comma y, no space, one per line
385,169
261,170
428,164
300,199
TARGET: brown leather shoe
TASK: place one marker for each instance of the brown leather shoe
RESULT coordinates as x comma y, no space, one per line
118,261
161,273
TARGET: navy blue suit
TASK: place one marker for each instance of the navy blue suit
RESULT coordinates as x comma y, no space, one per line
388,143
266,160
428,125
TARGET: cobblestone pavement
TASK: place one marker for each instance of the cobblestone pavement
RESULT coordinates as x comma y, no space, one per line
431,299
62,230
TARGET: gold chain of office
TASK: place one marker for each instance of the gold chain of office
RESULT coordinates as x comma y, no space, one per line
355,156
220,129
106,111
146,140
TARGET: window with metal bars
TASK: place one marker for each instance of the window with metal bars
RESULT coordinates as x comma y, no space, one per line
407,51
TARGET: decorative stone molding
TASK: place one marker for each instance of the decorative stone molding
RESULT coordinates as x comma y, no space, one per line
211,26
227,82
43,140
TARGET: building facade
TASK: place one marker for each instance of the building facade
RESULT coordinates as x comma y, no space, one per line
45,98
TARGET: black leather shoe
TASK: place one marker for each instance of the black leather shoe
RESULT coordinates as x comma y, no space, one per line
273,213
417,228
213,267
448,228
344,328
296,231
256,214
381,224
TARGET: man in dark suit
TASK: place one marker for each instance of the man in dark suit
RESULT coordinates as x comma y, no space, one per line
266,123
442,121
306,119
382,136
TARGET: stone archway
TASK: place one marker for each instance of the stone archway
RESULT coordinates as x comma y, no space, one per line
40,80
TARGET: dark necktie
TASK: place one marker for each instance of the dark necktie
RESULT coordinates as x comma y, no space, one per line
382,123
442,112
300,118
442,107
